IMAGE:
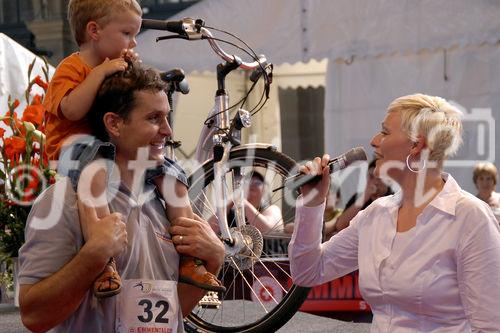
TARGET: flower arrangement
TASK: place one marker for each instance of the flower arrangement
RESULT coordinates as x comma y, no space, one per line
24,167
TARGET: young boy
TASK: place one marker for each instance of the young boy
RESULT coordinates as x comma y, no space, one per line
105,32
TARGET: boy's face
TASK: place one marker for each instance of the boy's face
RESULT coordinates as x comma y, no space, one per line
118,34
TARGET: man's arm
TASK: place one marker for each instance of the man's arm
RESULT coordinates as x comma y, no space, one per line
49,302
77,103
52,300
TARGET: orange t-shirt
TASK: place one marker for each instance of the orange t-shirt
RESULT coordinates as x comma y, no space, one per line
69,74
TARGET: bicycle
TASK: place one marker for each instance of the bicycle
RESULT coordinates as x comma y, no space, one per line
256,270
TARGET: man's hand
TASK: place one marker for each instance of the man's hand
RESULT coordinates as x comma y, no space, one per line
315,193
106,237
196,238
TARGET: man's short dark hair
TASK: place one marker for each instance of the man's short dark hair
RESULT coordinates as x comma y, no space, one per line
117,95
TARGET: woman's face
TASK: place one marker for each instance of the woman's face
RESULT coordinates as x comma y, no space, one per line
146,127
485,183
255,190
391,146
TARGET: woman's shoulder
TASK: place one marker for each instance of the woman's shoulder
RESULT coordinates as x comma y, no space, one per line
470,208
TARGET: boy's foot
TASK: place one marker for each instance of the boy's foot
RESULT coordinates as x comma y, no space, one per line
192,271
109,282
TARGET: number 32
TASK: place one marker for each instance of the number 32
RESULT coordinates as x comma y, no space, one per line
160,318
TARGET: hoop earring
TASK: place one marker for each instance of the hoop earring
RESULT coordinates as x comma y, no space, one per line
414,170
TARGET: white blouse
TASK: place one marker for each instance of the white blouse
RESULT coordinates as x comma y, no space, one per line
446,278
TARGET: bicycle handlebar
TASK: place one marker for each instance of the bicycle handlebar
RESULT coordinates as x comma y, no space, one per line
192,29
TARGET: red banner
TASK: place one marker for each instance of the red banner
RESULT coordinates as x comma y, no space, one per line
341,294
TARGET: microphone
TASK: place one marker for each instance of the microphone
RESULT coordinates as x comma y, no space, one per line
336,164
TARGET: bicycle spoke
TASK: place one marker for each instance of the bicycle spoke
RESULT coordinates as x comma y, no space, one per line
258,283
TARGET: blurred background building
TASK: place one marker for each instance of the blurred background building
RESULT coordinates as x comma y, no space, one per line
41,25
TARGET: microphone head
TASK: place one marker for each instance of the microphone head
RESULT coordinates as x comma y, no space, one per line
355,154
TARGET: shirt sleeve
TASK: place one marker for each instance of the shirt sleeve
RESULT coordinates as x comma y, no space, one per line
478,270
66,78
313,263
52,234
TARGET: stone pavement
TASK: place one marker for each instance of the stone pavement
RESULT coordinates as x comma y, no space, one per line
10,322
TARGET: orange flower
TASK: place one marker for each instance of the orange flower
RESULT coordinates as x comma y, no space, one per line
2,132
41,83
33,114
14,145
6,120
15,104
37,99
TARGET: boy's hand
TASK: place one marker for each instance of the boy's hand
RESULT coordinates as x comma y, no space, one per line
129,54
109,67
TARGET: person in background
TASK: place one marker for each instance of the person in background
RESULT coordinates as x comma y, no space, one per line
485,178
429,255
259,211
375,188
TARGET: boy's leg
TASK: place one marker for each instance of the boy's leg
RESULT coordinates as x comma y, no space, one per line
191,270
108,283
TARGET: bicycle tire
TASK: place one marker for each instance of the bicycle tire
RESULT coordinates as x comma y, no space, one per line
271,161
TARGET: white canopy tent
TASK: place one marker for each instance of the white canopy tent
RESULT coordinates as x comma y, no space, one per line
377,50
14,62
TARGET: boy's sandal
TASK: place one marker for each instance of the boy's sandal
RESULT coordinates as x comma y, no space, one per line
108,283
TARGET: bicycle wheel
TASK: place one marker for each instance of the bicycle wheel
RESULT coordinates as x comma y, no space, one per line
260,296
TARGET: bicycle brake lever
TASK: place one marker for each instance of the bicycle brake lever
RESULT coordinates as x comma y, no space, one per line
171,37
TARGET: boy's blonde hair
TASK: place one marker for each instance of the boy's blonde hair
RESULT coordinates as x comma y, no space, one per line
81,12
435,119
485,168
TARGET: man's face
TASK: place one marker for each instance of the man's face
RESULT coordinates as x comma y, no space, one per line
146,126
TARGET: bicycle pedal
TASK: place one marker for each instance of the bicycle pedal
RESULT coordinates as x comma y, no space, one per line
210,301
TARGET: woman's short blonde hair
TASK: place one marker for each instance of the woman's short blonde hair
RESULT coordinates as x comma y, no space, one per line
435,119
485,168
81,12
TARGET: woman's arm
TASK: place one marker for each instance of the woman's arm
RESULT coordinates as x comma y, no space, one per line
313,263
268,220
478,271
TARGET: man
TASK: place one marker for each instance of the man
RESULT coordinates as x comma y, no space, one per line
61,257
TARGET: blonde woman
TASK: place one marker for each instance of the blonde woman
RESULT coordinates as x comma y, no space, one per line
429,255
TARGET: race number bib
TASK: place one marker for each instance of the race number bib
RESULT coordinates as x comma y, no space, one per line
145,306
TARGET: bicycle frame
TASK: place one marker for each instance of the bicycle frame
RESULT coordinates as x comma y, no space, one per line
222,157
216,136
214,141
